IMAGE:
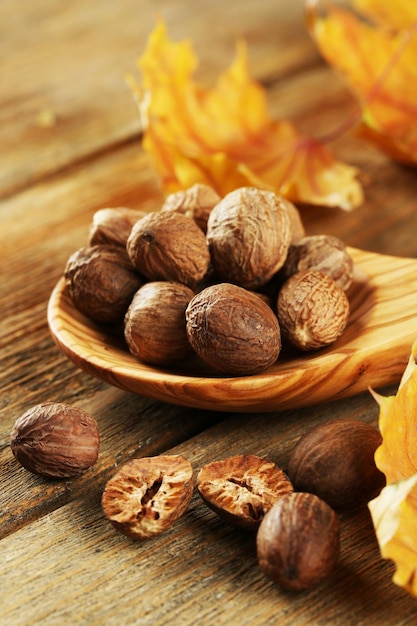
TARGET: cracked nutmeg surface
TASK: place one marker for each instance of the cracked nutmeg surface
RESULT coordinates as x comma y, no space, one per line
324,253
242,488
248,233
233,330
147,495
312,309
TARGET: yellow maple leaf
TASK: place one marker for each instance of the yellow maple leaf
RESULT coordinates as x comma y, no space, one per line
396,457
394,510
376,52
224,137
394,515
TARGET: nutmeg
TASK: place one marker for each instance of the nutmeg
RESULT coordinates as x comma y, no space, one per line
335,461
147,495
101,282
242,488
154,325
324,253
298,541
112,226
248,233
233,330
312,309
165,245
196,202
55,440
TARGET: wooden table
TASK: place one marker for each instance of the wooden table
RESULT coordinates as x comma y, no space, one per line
70,144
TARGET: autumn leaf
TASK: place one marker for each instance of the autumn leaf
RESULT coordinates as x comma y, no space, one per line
394,510
224,137
374,46
396,457
394,515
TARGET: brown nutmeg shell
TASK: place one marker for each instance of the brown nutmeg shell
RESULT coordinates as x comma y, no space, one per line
55,440
101,282
166,245
336,461
233,330
154,326
112,226
249,232
298,541
324,253
195,202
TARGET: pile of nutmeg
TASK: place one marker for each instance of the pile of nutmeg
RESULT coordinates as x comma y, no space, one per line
293,515
228,279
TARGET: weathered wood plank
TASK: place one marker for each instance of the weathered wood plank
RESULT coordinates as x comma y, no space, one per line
63,91
201,571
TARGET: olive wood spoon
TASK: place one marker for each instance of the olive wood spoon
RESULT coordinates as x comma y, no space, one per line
372,352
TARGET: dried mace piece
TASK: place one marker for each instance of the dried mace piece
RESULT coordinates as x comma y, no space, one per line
242,488
298,541
233,330
154,325
312,309
166,245
336,462
112,226
101,282
323,253
146,496
55,440
195,202
249,233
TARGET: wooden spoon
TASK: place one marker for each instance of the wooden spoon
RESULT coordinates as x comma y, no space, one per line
373,351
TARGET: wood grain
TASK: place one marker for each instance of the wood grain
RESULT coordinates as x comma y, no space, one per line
202,570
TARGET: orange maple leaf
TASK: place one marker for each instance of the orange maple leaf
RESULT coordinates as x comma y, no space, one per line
224,137
374,47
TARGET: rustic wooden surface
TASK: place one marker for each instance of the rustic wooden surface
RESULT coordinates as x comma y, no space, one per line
70,145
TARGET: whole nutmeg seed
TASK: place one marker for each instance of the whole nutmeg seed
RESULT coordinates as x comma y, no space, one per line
335,461
242,488
298,541
112,226
196,202
55,440
233,330
249,232
324,253
101,282
166,245
154,325
147,495
312,309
